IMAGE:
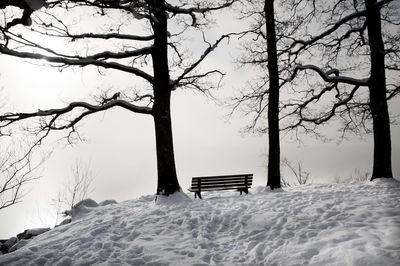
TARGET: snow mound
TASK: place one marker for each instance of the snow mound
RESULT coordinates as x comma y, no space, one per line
176,198
82,208
356,224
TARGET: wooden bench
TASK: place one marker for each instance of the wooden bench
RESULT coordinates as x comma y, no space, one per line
225,182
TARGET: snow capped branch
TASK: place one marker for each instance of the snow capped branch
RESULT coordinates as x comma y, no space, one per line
85,61
192,11
64,118
111,36
326,76
198,9
125,54
10,118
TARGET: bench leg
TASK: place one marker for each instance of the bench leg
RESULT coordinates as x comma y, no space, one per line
197,194
243,190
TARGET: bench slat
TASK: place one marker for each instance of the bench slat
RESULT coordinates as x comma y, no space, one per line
223,177
217,184
219,181
224,184
217,189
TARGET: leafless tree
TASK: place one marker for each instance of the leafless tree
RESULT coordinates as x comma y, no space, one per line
144,38
263,51
78,188
360,73
301,176
338,61
16,171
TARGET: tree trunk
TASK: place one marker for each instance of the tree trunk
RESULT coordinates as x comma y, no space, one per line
382,165
166,170
167,178
274,176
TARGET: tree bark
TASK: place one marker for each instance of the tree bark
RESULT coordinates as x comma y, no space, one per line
382,164
274,176
166,170
167,178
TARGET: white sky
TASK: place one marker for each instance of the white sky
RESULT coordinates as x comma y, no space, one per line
121,146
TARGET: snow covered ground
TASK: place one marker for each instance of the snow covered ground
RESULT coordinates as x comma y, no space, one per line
341,224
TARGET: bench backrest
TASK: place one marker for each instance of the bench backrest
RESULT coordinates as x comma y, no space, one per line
226,182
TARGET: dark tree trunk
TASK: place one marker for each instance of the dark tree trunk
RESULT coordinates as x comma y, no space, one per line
382,165
166,170
274,175
18,3
167,178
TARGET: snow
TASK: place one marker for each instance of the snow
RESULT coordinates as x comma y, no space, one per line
320,224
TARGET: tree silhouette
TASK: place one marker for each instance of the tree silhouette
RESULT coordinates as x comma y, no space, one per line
265,50
156,57
274,175
17,169
355,30
343,43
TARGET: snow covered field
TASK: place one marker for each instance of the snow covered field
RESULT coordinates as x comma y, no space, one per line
341,224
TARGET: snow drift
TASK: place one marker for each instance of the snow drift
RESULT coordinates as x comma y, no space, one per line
341,224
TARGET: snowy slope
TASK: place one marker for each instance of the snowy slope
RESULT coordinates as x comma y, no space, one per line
354,224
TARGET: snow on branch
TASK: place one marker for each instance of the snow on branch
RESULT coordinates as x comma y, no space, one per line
110,36
192,11
121,55
327,76
85,61
10,118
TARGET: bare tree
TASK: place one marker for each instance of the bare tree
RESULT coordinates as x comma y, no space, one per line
79,186
341,42
274,174
16,171
261,97
155,55
301,176
353,39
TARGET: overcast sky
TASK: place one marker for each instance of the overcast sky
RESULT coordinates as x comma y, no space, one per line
120,145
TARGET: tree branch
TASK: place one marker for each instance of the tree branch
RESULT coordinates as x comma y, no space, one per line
10,118
82,61
189,69
193,10
337,25
326,76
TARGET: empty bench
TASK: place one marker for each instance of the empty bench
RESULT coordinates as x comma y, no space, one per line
224,182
